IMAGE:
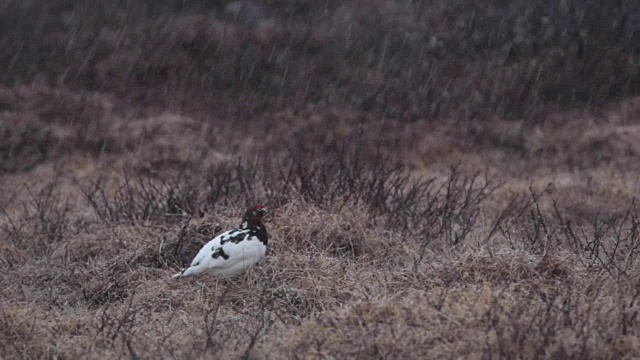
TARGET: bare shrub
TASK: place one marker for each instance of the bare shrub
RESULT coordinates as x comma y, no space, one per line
141,198
609,243
41,222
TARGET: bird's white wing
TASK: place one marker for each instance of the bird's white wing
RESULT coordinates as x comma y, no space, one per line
241,254
214,253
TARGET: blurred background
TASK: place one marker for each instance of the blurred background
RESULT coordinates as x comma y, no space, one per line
543,83
470,164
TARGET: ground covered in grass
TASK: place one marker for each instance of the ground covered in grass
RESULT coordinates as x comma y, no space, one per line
441,184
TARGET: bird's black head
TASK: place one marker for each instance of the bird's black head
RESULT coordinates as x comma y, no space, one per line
253,216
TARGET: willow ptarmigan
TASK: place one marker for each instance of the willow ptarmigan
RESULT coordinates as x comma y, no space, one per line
232,251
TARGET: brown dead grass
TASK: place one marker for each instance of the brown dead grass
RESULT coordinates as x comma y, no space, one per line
337,281
333,285
370,129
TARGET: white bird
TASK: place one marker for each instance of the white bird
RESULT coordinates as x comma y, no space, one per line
234,250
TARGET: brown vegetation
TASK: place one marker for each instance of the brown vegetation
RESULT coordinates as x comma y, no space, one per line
447,179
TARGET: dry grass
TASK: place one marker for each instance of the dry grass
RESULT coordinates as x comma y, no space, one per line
461,271
439,187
